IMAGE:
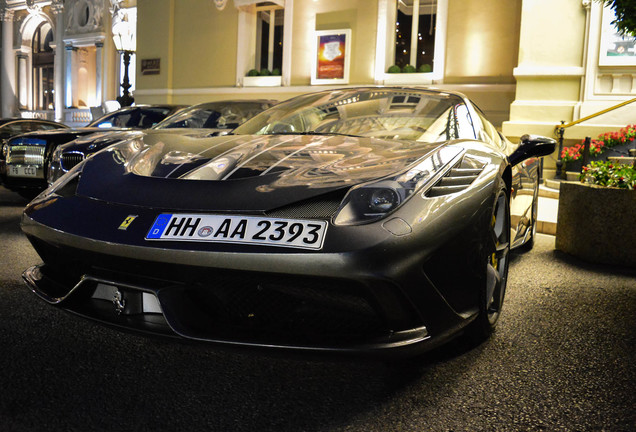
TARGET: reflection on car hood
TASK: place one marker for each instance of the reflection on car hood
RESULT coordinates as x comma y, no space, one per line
98,140
192,170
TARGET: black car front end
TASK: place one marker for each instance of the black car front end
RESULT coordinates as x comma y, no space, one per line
366,289
25,158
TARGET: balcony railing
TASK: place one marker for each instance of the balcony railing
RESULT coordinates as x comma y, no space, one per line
73,117
77,116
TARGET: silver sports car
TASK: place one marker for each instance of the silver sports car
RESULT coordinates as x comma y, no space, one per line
369,220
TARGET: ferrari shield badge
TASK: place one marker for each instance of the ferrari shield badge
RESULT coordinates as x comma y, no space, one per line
126,223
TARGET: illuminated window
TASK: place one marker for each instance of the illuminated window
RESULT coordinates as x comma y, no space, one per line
269,38
412,34
415,34
264,42
43,59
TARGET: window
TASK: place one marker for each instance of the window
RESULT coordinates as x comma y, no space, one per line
415,35
263,51
412,34
269,39
43,58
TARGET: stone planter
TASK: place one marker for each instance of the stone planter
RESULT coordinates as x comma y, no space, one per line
597,224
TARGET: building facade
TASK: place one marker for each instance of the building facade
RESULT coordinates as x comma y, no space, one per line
58,58
528,64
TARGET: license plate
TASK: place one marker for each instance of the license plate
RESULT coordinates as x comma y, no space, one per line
22,171
296,233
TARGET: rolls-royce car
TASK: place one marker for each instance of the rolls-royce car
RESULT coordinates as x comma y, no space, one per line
368,220
215,117
25,158
14,126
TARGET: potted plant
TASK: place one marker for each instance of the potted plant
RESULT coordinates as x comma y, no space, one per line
608,144
262,78
596,215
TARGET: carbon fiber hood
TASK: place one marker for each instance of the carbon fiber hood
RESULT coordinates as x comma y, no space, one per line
191,170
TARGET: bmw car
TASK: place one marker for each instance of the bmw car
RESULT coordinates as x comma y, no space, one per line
367,220
216,118
25,158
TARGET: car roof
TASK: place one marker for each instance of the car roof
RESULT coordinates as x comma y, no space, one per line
5,121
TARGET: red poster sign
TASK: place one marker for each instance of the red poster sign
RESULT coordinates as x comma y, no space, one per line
331,56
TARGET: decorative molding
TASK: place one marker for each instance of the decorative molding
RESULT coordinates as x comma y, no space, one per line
84,16
6,15
298,90
220,4
57,7
587,4
548,72
242,3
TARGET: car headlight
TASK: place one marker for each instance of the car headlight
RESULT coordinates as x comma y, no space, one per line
5,150
372,201
66,185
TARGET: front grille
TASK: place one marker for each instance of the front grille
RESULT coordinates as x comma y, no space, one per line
70,159
26,155
257,307
270,307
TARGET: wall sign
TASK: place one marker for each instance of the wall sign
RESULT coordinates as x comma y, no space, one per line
332,57
150,66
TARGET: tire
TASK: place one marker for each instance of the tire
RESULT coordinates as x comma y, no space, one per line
495,271
29,193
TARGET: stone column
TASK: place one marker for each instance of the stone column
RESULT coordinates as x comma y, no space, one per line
8,65
57,8
69,74
99,71
22,84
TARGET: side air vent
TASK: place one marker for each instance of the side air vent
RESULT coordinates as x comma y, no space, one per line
458,178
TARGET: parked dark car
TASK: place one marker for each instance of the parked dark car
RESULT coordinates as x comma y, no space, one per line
215,117
15,126
25,158
367,220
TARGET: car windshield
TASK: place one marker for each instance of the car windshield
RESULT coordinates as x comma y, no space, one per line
135,118
219,115
402,114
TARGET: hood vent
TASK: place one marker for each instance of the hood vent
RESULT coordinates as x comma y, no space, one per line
458,178
320,207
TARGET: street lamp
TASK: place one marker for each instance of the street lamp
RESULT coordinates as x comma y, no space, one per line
125,38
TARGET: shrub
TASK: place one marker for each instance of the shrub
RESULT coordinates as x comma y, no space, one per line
425,68
598,146
408,69
394,69
253,72
609,174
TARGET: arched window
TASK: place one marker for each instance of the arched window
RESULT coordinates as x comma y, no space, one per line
43,59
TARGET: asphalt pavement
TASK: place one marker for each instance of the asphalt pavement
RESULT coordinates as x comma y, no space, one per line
563,359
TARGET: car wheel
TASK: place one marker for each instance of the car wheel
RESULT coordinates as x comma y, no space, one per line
495,268
29,193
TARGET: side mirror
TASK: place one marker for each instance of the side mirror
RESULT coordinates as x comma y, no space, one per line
532,146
